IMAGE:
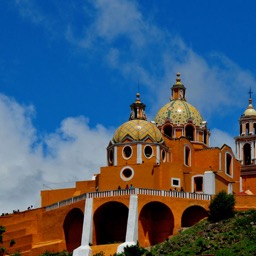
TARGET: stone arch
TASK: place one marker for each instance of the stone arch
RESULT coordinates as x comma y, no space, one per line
192,215
110,221
157,221
73,227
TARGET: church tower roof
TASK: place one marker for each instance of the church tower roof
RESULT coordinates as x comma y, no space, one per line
250,111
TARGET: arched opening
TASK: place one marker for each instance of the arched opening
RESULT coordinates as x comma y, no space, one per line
190,132
110,222
229,164
247,129
254,129
110,156
187,156
205,136
157,222
168,131
192,215
198,184
241,129
73,226
247,154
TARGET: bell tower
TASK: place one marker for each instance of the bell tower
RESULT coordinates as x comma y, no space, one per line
246,146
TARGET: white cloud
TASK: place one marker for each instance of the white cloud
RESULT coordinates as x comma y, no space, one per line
74,152
219,138
148,54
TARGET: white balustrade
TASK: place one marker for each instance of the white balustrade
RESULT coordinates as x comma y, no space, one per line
125,192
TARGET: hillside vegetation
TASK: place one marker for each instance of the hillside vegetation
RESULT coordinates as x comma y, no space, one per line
233,236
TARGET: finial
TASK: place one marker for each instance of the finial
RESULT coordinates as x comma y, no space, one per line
250,92
178,79
137,97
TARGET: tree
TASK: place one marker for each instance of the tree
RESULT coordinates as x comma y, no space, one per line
12,242
221,207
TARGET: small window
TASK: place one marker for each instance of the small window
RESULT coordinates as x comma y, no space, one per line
247,129
163,153
187,156
127,152
110,156
175,182
229,164
205,136
148,151
198,184
126,173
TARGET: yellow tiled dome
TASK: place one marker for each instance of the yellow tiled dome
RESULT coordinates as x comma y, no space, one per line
137,130
178,111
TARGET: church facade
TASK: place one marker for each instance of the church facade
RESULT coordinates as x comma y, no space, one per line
160,177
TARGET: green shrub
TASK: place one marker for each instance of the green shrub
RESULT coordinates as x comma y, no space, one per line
134,250
222,207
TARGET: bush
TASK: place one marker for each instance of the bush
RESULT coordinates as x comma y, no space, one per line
222,207
134,250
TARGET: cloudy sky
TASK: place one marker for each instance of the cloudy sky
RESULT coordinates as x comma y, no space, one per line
70,69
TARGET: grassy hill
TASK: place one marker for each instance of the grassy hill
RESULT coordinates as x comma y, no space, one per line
233,236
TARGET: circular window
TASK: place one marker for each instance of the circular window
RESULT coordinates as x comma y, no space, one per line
163,155
148,151
110,156
127,152
126,173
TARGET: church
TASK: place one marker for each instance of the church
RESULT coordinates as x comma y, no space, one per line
159,178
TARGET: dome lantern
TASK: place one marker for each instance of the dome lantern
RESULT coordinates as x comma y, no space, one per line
178,89
138,109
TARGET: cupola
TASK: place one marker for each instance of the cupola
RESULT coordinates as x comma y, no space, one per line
136,140
179,118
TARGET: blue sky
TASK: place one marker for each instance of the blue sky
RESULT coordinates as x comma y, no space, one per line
70,69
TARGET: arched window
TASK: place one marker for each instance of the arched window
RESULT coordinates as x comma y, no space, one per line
241,129
247,129
190,132
254,129
110,156
205,136
187,156
168,131
163,154
229,164
247,154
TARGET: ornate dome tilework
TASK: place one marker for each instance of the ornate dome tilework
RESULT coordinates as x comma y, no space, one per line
178,111
138,130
